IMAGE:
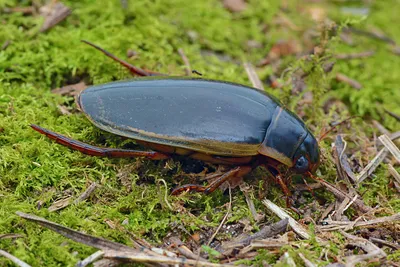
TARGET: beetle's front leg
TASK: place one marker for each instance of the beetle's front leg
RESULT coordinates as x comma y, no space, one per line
234,173
134,70
98,151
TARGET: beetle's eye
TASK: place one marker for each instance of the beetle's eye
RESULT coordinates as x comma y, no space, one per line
301,165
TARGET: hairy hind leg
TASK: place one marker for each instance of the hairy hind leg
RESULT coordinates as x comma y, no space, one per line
134,70
234,173
98,151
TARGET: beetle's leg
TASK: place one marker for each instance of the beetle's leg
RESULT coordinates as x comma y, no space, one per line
236,172
98,151
134,70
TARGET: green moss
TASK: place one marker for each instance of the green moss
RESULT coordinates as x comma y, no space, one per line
34,172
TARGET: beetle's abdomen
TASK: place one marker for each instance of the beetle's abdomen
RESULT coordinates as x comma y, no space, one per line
209,116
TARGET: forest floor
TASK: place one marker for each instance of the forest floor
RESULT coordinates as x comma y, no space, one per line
326,61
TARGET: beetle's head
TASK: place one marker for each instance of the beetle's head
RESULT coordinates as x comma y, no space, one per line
306,158
290,142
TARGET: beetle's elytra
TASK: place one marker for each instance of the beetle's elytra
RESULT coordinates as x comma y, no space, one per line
214,121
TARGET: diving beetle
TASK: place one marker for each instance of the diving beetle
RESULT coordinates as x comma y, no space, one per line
214,121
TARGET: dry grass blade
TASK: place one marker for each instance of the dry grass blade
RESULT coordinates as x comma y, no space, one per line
92,258
390,146
358,204
60,204
394,115
307,263
297,228
14,259
224,219
372,165
394,173
10,236
185,61
144,258
372,34
336,225
86,239
245,190
253,77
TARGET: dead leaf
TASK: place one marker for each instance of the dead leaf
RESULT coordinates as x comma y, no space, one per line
70,90
235,5
53,13
280,49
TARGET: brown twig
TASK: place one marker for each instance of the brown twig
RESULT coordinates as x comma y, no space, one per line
356,55
186,61
345,79
385,243
86,193
375,35
265,232
5,45
363,243
380,127
342,164
394,115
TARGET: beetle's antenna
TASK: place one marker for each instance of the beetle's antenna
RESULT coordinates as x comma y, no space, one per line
323,135
131,68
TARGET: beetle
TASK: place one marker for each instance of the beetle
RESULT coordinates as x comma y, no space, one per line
214,121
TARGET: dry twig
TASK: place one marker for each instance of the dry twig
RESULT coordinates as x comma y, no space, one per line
224,219
358,203
92,258
356,55
345,79
372,165
336,225
297,228
14,259
265,232
342,164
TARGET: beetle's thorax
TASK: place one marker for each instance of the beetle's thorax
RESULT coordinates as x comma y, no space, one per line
283,137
